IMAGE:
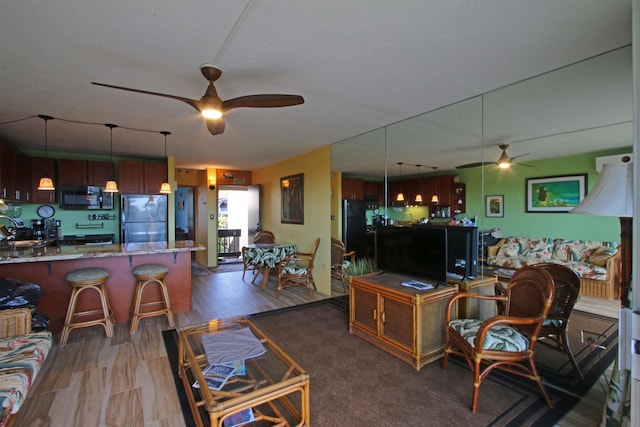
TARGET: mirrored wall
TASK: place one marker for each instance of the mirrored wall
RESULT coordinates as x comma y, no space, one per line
582,108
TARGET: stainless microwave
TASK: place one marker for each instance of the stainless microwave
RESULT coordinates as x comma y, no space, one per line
85,197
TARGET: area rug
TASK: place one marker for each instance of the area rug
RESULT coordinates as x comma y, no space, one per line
198,269
228,267
356,384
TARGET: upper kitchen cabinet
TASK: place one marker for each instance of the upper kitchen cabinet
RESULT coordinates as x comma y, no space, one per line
84,172
39,167
15,174
374,190
459,197
138,177
352,189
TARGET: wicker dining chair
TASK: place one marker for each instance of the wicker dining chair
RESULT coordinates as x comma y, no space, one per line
297,269
505,342
554,331
264,237
340,261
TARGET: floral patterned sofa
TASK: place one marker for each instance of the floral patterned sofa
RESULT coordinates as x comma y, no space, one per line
596,262
22,354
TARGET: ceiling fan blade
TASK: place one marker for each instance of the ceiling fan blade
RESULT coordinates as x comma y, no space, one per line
192,102
523,164
475,165
519,155
215,126
262,101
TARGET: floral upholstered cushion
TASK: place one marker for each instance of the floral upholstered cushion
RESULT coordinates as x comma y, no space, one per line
540,248
499,337
21,358
600,255
510,248
574,250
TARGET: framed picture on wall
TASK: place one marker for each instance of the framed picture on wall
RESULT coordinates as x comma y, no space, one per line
292,196
555,193
494,206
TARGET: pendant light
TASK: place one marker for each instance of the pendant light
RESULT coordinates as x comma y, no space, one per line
400,197
419,195
434,198
165,187
46,183
111,186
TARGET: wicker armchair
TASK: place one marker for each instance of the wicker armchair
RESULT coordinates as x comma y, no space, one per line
297,269
553,333
340,261
504,342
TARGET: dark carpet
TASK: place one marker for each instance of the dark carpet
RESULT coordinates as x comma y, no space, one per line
356,384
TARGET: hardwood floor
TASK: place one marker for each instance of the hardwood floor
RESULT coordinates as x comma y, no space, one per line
127,381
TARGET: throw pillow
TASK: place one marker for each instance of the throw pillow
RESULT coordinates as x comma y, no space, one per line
600,256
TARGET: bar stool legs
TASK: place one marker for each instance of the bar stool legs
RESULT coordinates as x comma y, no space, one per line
82,280
146,274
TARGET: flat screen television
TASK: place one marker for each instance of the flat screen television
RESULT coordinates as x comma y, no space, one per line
414,251
462,251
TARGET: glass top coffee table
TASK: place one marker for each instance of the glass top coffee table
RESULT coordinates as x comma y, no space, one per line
272,388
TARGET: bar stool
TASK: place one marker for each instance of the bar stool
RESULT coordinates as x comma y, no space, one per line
82,280
145,274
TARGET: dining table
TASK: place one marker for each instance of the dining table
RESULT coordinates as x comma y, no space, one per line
265,256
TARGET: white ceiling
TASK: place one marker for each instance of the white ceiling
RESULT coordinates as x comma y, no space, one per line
359,64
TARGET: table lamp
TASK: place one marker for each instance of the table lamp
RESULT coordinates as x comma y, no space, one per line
613,196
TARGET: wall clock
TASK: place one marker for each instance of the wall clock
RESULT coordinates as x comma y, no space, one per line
46,211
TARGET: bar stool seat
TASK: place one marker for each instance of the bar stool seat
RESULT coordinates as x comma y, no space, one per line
145,274
95,279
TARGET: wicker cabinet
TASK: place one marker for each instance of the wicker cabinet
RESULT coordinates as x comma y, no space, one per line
404,322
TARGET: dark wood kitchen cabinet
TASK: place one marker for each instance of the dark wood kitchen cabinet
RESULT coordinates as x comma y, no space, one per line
84,172
352,189
15,174
39,168
139,177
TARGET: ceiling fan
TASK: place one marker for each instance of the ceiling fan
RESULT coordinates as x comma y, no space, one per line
503,162
213,108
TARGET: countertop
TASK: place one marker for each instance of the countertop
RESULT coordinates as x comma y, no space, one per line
56,253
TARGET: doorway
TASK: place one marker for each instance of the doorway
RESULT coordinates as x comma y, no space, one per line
238,216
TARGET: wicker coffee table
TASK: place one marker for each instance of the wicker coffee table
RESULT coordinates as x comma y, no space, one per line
273,386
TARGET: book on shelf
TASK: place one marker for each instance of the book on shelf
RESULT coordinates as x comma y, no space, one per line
417,285
239,418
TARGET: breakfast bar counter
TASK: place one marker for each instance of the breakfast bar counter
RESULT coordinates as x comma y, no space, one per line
48,267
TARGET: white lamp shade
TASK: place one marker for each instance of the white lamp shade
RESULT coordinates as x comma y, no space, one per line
613,193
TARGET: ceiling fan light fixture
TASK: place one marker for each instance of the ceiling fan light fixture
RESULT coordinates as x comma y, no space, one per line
504,161
211,113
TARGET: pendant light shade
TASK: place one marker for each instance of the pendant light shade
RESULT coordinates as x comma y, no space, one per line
111,186
46,183
400,196
165,187
434,198
419,195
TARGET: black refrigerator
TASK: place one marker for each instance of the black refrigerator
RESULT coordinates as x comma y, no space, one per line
354,227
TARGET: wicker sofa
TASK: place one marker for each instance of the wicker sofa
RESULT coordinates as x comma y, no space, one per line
597,263
22,354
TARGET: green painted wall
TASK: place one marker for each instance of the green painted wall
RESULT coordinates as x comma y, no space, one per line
511,183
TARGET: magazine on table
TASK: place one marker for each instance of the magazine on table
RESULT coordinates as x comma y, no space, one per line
239,418
216,376
417,284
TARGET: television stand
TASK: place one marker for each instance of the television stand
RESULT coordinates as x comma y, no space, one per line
403,321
